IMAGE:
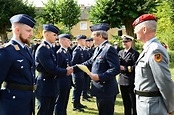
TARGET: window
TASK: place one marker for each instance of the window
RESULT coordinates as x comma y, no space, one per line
83,26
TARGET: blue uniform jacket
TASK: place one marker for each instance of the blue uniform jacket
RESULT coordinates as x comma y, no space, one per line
45,60
16,67
78,57
63,61
106,64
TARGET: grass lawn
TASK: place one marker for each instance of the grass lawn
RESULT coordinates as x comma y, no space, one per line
92,108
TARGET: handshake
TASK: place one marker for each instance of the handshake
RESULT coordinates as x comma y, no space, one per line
69,70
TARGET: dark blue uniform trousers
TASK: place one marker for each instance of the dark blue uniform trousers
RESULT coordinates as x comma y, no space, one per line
106,105
46,105
78,82
62,102
86,86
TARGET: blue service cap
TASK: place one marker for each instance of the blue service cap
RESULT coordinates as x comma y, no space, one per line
81,37
89,39
68,36
51,27
24,19
98,27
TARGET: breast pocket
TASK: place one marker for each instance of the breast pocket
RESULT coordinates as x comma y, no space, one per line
142,68
100,63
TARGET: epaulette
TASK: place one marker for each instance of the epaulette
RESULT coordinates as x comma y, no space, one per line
46,45
64,51
16,47
6,45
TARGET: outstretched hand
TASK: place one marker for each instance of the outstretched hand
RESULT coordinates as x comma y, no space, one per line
94,77
69,70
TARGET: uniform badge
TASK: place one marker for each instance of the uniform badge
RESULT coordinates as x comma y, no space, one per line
16,47
99,57
6,45
64,51
48,46
158,57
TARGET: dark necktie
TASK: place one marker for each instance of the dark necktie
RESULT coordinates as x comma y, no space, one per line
27,51
125,53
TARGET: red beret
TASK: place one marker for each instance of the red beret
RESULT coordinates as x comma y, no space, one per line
143,18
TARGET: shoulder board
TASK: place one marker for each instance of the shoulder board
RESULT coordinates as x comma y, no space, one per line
46,46
16,47
6,45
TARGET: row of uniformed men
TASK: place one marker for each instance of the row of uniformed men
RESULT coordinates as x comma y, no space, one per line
18,75
153,83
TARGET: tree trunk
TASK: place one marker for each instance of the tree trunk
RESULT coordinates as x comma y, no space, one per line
3,37
130,29
3,34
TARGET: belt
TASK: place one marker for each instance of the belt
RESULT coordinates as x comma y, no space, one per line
19,87
148,94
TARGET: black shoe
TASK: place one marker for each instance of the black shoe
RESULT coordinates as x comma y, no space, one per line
82,106
78,109
86,96
86,99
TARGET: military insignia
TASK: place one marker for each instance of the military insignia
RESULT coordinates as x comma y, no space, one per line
129,69
99,57
158,57
64,51
48,46
16,47
20,60
6,45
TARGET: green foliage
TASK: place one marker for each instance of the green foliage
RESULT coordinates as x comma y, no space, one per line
105,11
118,13
8,8
171,3
69,13
50,13
66,12
165,29
171,55
138,45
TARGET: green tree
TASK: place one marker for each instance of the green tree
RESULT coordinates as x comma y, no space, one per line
165,29
171,3
50,12
120,12
69,13
10,8
66,12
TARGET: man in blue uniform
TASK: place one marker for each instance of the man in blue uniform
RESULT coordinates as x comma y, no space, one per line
88,52
77,58
46,65
105,67
17,69
128,56
65,82
154,87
